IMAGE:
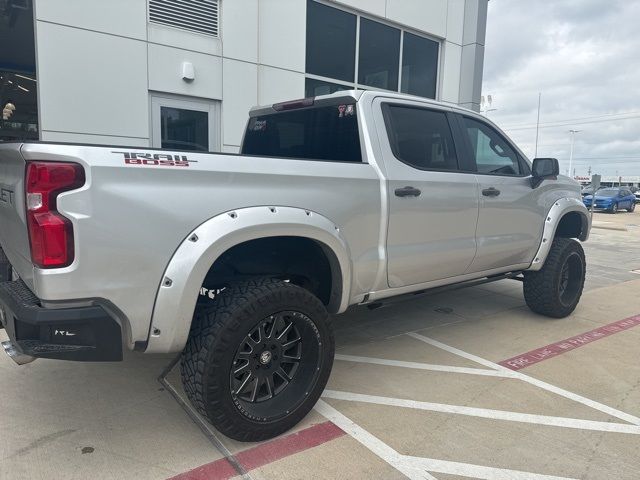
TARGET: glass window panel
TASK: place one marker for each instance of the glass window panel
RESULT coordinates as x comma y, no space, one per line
318,133
493,155
331,42
18,81
184,129
379,55
419,66
421,138
315,88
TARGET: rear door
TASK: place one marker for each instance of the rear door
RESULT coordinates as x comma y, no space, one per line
433,198
511,217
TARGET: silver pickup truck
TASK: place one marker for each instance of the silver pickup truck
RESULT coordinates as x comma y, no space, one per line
237,261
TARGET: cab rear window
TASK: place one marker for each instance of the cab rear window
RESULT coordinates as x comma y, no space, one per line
319,133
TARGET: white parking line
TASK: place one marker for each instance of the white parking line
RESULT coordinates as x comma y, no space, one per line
417,468
533,381
477,471
373,443
486,413
426,366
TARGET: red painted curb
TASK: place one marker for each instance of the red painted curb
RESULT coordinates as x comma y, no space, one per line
539,354
265,453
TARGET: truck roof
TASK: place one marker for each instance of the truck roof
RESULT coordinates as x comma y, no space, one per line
353,96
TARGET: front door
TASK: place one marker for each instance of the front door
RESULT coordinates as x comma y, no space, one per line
511,215
433,205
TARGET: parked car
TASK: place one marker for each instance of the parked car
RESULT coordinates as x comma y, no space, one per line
612,200
340,200
636,192
587,190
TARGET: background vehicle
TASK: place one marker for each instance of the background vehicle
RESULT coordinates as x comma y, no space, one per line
335,201
587,190
612,199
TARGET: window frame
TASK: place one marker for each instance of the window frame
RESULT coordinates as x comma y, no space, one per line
388,123
355,85
525,168
211,107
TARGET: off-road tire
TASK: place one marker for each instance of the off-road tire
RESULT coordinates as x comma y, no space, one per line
217,332
542,289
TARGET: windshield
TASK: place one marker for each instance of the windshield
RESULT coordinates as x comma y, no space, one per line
607,193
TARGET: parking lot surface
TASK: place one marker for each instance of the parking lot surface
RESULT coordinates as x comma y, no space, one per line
462,384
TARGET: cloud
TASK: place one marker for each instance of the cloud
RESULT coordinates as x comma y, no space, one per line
583,56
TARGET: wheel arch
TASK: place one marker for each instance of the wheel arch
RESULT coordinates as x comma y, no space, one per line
197,254
567,218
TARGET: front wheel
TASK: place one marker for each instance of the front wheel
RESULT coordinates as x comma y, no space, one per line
555,290
614,208
258,357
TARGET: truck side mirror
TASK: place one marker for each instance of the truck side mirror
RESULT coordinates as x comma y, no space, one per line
542,169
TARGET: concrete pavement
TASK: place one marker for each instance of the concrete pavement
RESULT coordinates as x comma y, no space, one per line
417,391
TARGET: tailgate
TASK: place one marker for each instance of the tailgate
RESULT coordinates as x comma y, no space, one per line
14,239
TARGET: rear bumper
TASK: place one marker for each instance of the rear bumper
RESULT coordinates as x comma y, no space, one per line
86,334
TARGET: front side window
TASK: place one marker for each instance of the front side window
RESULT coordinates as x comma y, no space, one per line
421,138
492,154
317,133
184,129
331,42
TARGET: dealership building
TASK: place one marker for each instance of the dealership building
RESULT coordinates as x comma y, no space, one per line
183,74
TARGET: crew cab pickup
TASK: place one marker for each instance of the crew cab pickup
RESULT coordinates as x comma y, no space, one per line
238,260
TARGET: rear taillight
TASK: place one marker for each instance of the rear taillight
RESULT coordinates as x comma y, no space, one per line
50,234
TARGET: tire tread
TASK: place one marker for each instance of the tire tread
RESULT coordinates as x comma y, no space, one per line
540,288
209,340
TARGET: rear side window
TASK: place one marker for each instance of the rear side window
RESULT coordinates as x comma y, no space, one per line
493,155
421,138
322,133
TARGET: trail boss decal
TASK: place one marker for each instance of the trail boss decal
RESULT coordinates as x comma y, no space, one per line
156,159
6,195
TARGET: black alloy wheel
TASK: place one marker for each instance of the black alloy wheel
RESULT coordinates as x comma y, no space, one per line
280,355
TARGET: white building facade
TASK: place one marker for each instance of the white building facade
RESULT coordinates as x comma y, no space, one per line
183,74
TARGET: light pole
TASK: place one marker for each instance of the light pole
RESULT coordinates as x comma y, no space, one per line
485,106
573,135
538,123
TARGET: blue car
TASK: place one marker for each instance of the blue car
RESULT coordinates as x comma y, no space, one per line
612,200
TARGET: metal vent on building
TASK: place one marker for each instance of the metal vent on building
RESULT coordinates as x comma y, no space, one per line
199,16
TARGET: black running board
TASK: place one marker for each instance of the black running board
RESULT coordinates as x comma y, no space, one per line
445,288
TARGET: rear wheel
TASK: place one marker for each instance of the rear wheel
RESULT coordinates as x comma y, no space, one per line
555,290
258,358
632,207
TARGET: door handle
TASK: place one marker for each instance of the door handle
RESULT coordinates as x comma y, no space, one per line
491,192
407,192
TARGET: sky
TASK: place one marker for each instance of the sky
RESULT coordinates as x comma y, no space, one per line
583,56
